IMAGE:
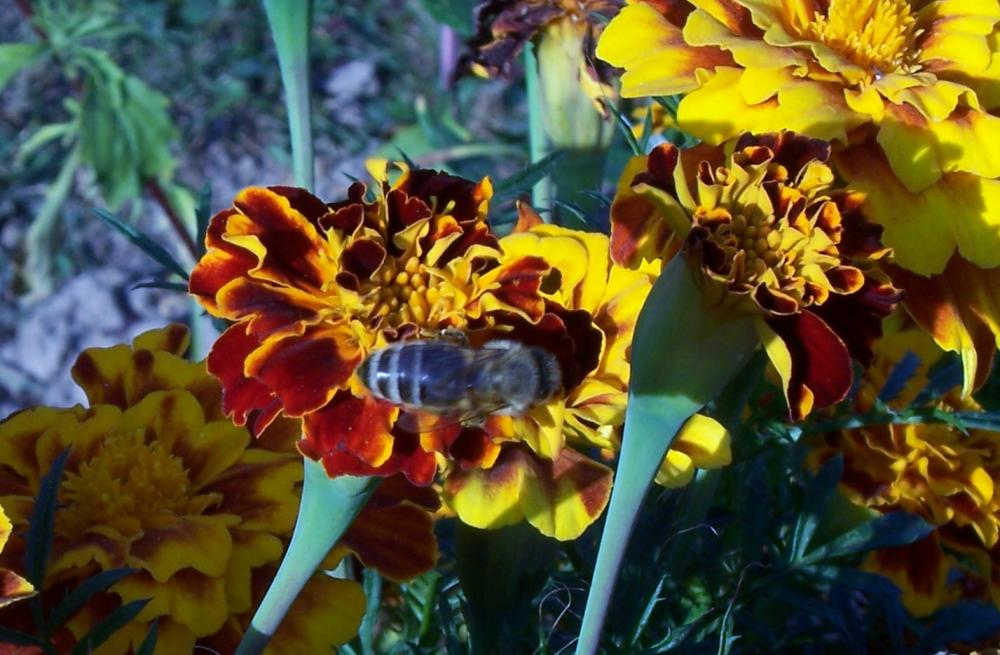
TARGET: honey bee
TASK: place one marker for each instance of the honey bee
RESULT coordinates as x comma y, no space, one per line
452,379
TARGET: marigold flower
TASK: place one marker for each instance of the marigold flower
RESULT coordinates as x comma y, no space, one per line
159,480
908,89
931,470
590,414
314,288
773,238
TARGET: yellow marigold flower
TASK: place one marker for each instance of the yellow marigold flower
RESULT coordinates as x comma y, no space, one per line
908,88
159,480
931,470
773,237
590,414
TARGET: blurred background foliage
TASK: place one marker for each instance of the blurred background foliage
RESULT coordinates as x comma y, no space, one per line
141,107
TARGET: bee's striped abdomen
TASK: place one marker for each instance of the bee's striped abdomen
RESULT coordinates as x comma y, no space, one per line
417,373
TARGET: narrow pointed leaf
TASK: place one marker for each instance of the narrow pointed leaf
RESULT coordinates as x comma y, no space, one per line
77,598
148,645
145,243
42,521
817,498
111,624
895,529
522,181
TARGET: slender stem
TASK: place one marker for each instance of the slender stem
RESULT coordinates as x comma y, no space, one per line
329,506
156,190
290,22
541,193
447,56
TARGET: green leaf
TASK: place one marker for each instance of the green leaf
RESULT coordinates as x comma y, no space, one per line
814,507
889,530
290,22
144,242
15,56
203,215
160,284
522,181
79,596
40,525
42,136
625,127
148,645
110,625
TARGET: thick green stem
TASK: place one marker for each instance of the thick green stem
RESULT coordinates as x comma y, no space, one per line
328,508
541,193
290,22
684,354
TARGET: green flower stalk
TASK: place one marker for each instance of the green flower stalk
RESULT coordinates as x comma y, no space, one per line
683,354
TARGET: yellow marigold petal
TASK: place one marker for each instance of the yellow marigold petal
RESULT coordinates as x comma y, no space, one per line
581,258
703,29
866,100
777,351
716,111
213,449
955,31
982,483
921,150
676,471
652,50
920,570
921,241
706,441
250,551
326,613
174,339
12,586
199,543
542,429
560,498
169,417
262,489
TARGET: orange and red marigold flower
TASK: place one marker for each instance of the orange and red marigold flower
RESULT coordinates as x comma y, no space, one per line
313,288
158,479
773,237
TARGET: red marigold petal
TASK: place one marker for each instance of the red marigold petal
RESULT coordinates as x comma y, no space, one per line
242,397
363,258
821,364
397,540
857,318
306,371
302,201
13,588
290,243
222,263
270,308
360,427
527,217
520,283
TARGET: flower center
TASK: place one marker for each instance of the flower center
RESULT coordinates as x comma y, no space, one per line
792,251
124,485
408,292
878,35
